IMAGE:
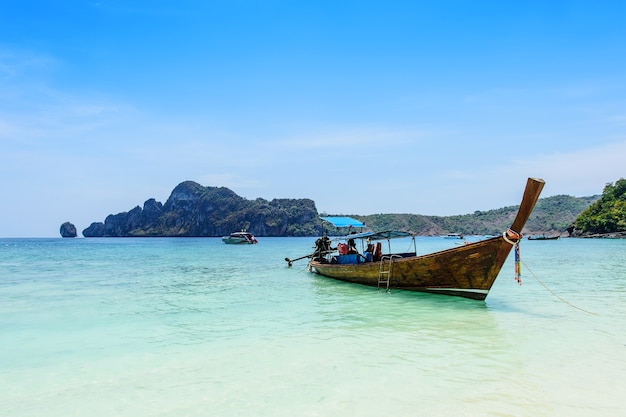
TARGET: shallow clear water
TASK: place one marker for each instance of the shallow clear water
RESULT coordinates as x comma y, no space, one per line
193,327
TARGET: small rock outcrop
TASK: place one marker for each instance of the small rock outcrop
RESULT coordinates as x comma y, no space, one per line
68,230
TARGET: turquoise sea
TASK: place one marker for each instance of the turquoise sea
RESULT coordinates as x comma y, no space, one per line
192,327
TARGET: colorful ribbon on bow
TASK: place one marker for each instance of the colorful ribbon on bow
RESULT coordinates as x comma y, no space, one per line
518,267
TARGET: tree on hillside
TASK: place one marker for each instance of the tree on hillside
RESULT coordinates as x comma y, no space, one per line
608,214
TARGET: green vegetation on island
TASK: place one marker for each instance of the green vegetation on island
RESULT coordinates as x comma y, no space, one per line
196,211
605,216
551,215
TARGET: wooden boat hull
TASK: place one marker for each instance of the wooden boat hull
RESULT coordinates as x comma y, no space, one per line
468,271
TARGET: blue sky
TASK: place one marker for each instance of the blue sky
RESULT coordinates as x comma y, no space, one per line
425,107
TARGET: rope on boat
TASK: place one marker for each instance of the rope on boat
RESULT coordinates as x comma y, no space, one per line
556,295
511,236
514,238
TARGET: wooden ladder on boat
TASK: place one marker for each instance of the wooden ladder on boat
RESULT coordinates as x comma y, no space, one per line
385,270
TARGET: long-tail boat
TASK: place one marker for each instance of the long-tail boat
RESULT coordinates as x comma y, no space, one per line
468,270
544,237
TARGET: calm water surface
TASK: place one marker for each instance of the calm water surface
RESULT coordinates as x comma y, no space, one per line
193,327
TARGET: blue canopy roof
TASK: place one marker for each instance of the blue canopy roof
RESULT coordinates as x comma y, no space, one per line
343,221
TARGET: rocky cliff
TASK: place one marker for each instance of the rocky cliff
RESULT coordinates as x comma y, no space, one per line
68,230
195,210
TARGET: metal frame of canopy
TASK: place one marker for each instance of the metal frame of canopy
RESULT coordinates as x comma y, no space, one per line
349,222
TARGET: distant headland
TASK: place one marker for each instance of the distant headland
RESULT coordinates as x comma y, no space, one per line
193,210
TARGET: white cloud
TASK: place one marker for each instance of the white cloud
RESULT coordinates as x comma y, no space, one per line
581,172
18,65
339,138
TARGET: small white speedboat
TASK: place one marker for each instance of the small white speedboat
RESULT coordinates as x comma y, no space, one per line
239,237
